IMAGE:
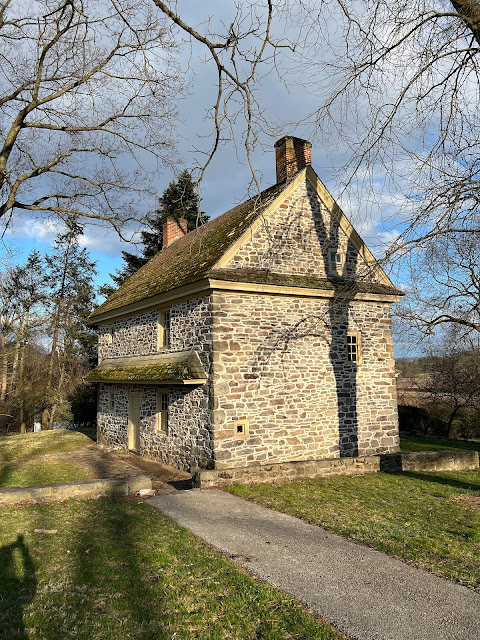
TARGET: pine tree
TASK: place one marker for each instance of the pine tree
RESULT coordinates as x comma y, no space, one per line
179,200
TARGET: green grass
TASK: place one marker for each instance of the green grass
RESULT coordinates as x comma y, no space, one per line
121,569
414,516
32,473
34,445
29,459
422,443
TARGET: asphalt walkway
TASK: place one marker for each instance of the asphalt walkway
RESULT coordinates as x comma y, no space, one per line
363,593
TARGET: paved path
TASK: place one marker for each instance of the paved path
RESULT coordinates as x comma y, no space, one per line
362,592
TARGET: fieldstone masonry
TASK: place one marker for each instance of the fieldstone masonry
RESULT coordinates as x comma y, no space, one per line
281,363
297,239
188,443
277,360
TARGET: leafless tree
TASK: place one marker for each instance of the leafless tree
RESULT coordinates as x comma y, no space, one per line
86,92
402,93
454,376
398,85
445,285
242,50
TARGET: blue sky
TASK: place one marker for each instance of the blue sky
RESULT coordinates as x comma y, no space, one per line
226,181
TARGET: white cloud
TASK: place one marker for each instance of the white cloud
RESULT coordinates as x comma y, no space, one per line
105,242
41,230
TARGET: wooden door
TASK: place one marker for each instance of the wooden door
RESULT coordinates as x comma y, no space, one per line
134,421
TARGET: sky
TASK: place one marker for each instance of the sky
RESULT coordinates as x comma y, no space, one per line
227,178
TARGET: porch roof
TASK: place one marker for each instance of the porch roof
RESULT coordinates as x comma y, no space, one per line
180,367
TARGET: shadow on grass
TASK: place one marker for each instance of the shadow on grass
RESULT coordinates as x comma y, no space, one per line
111,592
439,478
17,588
104,589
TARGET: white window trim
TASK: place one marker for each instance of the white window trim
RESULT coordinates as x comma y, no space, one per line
161,414
358,336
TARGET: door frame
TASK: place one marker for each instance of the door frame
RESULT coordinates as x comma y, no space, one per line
134,397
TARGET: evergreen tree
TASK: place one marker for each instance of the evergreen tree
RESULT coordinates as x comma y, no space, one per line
179,200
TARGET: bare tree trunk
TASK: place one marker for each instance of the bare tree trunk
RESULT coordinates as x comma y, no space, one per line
46,422
53,408
18,345
4,368
21,370
469,12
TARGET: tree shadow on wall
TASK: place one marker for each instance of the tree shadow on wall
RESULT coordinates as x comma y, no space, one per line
332,326
342,277
17,588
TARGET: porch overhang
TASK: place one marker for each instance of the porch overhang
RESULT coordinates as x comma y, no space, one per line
179,368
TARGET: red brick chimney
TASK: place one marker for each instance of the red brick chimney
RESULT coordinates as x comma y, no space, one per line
292,155
173,229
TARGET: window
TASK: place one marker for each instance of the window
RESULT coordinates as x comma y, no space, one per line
336,260
240,428
163,336
111,400
110,334
161,418
354,347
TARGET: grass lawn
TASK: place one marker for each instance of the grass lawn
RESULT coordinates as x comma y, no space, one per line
121,569
26,460
431,520
421,443
34,445
32,473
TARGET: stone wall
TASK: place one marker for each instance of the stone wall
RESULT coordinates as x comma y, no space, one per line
190,327
133,336
281,363
286,472
297,239
188,443
417,461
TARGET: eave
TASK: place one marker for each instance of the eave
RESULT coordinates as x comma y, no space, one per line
180,367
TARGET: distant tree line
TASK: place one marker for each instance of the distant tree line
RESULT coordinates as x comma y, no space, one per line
47,344
439,394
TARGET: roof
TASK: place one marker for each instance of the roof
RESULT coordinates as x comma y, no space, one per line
181,367
192,258
189,258
341,285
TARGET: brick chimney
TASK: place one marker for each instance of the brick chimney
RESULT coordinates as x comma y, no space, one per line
173,229
292,155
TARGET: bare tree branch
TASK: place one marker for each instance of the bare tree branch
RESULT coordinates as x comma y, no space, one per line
93,88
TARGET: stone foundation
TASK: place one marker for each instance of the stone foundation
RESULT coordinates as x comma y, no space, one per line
286,471
419,461
430,461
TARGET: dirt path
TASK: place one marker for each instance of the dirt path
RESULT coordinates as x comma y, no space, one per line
120,464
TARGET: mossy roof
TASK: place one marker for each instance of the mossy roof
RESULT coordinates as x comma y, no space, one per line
262,276
188,259
178,367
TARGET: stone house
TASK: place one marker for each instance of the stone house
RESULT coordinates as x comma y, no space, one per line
263,336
